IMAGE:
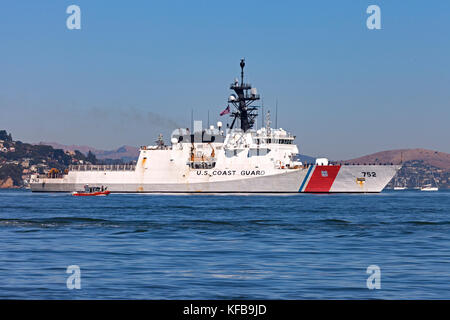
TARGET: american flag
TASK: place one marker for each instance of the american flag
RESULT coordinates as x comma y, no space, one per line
226,111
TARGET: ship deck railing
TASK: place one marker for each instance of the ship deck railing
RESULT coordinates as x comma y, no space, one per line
49,176
103,167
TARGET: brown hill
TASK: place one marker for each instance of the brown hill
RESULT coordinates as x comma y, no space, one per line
434,158
83,149
125,152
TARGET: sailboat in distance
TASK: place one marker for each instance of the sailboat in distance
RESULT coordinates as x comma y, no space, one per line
429,187
398,187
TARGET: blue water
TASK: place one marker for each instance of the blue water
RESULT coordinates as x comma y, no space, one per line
225,247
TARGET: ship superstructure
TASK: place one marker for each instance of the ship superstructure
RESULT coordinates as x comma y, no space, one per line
236,159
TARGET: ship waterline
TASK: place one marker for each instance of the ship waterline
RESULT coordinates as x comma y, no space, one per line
237,159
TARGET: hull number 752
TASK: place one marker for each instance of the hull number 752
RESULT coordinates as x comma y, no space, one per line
369,174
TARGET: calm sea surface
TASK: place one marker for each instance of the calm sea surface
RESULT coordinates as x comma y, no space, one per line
225,247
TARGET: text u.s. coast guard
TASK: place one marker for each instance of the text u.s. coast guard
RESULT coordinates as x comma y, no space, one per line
231,172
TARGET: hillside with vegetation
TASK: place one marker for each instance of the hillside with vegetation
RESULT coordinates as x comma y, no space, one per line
19,160
419,167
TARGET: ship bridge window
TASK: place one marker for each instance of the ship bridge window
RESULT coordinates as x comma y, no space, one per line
202,165
258,152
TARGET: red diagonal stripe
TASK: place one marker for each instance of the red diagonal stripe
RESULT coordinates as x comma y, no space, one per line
322,179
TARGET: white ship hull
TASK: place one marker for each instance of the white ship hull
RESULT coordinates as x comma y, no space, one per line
312,179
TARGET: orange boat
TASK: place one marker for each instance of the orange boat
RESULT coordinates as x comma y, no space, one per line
92,191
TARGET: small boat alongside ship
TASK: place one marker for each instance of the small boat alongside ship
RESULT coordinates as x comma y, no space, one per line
92,191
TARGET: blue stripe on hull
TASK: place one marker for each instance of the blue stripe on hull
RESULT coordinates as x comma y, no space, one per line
306,179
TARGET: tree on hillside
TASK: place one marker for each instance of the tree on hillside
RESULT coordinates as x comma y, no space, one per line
79,155
5,136
91,157
12,171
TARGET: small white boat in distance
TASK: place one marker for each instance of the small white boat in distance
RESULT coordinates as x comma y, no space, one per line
398,186
429,188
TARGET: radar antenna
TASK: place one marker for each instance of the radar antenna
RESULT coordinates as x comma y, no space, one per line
244,112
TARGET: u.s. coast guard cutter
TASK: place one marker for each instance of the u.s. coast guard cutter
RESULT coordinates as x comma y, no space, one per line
235,159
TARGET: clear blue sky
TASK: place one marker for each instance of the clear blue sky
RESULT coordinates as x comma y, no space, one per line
136,68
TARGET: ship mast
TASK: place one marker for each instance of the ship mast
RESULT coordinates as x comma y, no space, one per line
242,101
